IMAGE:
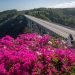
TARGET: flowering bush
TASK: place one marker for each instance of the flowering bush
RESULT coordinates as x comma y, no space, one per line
33,54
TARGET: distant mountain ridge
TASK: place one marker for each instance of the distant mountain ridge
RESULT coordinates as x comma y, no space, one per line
13,22
65,16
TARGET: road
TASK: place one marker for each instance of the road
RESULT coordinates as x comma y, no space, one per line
60,30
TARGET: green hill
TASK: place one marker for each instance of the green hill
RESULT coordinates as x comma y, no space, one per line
64,16
13,22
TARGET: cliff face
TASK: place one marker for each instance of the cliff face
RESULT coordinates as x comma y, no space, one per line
11,23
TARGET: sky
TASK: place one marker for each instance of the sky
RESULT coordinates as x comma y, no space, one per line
31,4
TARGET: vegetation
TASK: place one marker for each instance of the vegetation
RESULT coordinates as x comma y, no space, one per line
65,16
33,54
13,22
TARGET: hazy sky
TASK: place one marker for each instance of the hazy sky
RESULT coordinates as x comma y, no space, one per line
30,4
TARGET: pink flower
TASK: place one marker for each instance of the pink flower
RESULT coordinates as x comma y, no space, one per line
2,70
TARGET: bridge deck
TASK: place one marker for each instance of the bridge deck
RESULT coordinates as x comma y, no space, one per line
60,30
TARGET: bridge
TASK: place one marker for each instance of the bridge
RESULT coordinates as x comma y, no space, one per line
42,26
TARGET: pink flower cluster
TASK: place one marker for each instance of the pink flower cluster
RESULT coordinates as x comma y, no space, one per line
33,54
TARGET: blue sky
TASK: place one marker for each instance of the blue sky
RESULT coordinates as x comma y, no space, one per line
30,4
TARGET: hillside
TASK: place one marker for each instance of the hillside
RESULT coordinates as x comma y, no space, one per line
11,23
65,16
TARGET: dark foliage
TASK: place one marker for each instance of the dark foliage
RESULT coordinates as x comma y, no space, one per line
11,23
